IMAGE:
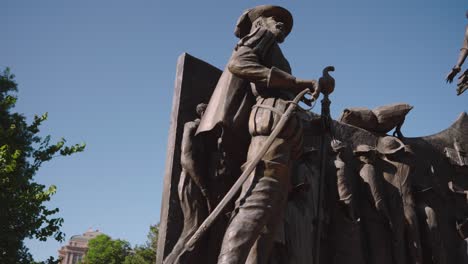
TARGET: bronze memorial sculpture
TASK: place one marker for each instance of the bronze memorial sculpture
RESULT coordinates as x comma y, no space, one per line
254,176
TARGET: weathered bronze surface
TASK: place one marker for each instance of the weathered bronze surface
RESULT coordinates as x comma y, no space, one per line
325,191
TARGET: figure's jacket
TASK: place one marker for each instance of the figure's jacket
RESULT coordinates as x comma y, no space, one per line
257,67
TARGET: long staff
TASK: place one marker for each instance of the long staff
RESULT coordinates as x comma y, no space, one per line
327,85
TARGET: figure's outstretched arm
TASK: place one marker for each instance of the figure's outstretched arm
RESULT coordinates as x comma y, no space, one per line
246,64
463,51
461,59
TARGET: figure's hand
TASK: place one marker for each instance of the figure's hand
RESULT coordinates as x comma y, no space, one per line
303,84
452,74
312,85
316,94
308,101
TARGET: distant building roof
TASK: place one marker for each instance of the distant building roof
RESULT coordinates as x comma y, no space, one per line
76,248
88,235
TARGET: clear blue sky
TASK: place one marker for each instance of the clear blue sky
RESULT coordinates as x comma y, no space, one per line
104,71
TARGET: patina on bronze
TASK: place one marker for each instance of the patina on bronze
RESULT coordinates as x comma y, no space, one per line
355,195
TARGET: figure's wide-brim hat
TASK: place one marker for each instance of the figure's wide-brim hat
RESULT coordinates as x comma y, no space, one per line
244,23
389,145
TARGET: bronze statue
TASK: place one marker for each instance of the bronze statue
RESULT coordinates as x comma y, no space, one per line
463,79
257,61
353,195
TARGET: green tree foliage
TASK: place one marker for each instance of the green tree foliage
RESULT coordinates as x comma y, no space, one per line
136,259
153,238
141,255
104,250
23,213
145,254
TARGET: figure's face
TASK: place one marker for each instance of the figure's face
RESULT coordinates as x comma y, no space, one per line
275,27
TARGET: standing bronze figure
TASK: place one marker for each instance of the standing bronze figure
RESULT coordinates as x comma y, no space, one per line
258,70
463,79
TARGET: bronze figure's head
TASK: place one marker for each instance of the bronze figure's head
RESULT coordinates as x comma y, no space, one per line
275,18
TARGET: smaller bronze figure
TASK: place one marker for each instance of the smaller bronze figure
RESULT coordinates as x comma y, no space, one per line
375,212
345,190
457,156
397,164
459,198
192,189
429,199
463,79
367,156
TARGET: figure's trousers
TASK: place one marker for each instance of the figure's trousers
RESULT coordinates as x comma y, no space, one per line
258,216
